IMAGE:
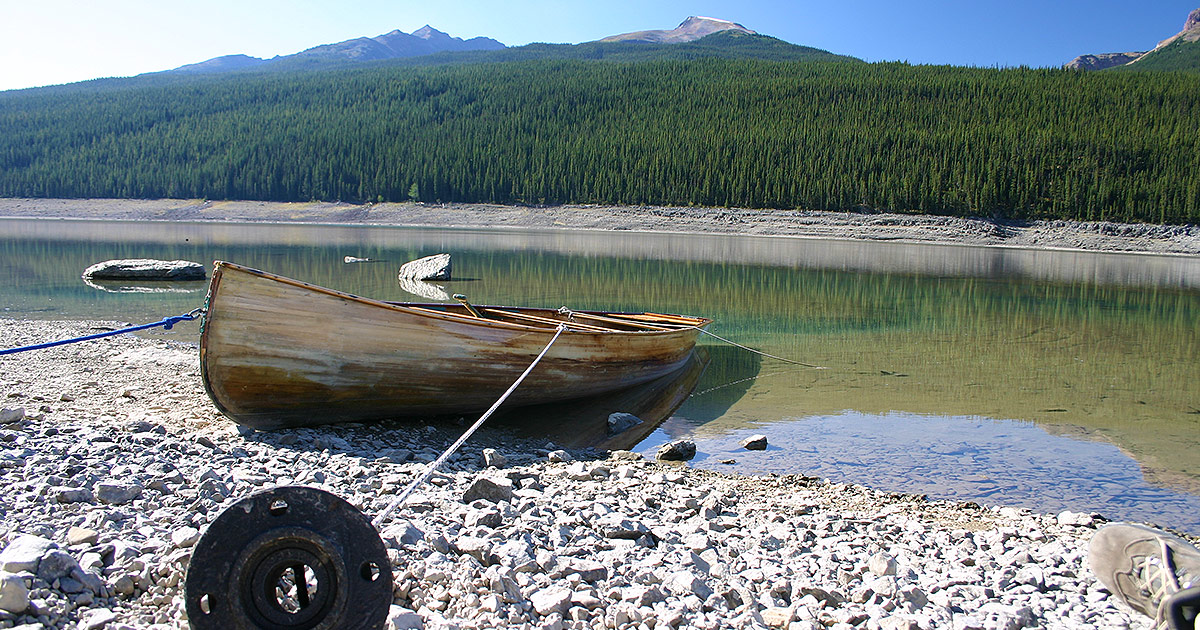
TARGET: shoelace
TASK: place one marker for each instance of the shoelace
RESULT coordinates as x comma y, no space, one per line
1160,581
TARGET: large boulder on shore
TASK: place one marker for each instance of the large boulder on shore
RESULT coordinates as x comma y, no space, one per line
145,269
435,267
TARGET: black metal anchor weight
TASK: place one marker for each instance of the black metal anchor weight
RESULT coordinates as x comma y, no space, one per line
289,558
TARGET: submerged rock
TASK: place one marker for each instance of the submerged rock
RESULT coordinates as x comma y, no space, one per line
145,269
677,451
436,267
620,422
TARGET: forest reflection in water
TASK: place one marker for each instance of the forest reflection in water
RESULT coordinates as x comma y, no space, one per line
1094,346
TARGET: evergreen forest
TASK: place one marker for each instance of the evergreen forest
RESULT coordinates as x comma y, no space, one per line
829,135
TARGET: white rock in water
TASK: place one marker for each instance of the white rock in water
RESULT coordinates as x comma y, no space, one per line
145,269
424,289
14,595
436,267
678,451
755,443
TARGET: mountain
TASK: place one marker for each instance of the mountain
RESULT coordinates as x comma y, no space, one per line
1102,61
689,30
394,45
221,64
695,37
1178,52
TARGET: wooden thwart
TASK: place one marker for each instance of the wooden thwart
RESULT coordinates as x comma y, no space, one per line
546,320
618,320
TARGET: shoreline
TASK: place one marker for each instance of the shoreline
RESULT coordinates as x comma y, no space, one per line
883,227
119,461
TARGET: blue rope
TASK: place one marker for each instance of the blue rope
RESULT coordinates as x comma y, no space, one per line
166,323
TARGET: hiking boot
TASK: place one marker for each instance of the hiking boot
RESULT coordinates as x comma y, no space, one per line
1144,566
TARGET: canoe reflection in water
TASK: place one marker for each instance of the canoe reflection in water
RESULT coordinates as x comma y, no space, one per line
583,423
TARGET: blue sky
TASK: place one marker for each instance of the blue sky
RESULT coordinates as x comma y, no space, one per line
44,42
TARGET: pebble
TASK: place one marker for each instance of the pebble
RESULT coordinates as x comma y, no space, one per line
583,542
14,595
117,492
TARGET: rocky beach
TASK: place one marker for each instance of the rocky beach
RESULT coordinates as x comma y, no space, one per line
114,462
869,226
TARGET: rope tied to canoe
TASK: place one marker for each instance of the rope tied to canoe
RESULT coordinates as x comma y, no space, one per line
749,349
166,323
571,314
433,466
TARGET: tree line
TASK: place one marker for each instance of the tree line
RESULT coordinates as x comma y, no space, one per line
1004,143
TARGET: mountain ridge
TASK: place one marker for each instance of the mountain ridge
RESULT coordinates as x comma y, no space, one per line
696,36
691,29
1182,49
394,44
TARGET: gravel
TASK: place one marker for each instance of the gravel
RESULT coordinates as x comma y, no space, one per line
118,463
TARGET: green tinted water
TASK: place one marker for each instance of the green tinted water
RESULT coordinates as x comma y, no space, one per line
1093,346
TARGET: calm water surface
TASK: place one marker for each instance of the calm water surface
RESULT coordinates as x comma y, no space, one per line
1053,380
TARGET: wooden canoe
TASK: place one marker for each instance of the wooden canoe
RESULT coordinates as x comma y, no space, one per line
277,352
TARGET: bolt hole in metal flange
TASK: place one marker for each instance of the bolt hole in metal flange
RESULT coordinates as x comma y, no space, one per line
289,558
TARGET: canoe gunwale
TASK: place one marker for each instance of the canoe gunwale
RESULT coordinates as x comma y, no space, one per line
425,309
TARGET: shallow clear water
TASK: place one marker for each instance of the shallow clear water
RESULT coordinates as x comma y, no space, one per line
967,373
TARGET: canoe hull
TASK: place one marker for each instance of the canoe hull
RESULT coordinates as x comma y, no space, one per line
279,353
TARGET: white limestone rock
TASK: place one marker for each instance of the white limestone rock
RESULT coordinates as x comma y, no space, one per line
436,267
145,269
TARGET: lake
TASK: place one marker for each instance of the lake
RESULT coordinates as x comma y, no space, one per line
1052,380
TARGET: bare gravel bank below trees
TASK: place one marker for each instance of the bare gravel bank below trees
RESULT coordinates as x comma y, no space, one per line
117,462
1091,236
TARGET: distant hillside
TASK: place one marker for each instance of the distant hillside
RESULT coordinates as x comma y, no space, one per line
1014,143
1179,55
689,30
1180,52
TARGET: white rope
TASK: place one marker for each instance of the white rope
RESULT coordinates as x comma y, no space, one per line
454,447
733,343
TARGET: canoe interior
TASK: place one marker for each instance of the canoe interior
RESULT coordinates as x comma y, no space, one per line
276,352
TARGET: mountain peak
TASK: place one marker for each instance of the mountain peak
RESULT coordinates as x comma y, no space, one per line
1193,20
429,33
691,29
